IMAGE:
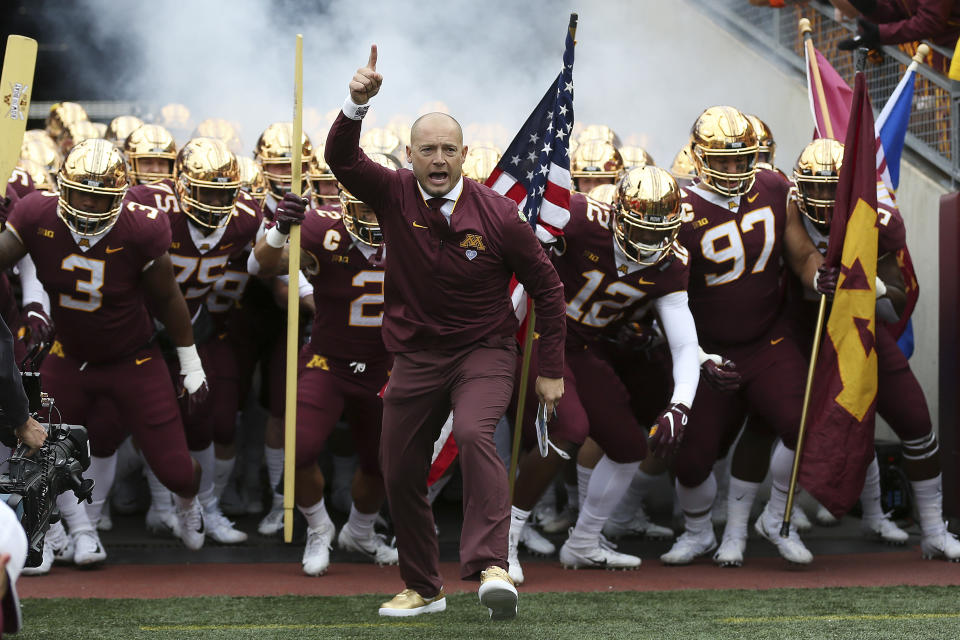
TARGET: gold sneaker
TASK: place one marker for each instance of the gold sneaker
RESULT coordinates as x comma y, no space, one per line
410,603
498,594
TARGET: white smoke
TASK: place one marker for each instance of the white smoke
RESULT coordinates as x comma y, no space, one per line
645,67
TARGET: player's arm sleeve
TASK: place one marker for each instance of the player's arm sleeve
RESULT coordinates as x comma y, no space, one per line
13,400
362,177
527,259
677,322
32,290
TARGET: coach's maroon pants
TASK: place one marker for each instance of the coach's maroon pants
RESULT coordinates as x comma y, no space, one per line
476,383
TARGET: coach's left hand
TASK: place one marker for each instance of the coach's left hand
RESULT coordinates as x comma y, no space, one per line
549,392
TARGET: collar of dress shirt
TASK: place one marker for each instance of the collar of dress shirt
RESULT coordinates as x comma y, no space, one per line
452,196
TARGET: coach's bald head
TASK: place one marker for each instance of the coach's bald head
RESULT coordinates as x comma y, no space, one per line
436,152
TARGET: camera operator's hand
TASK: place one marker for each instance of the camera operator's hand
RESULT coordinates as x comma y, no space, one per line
32,434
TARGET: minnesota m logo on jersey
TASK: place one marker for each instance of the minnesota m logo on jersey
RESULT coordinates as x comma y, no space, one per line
473,241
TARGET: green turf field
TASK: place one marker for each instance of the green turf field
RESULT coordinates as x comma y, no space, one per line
781,614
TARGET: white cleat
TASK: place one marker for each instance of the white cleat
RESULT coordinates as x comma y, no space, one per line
375,547
514,570
60,543
46,561
791,548
943,546
598,557
272,523
639,526
730,552
222,530
162,522
690,546
824,518
884,529
87,549
316,555
190,525
563,520
535,543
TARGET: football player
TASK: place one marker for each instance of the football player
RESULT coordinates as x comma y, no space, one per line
103,259
611,262
900,399
738,231
343,367
150,150
213,222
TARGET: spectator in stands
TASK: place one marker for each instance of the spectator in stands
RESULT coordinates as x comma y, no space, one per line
882,22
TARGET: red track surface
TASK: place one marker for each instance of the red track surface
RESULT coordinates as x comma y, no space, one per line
166,581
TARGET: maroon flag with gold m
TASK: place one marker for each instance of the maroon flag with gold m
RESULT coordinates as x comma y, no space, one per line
839,437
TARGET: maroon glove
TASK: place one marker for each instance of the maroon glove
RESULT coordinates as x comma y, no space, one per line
825,282
635,337
38,327
667,434
723,377
291,210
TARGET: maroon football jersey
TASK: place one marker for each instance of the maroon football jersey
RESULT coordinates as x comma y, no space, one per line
210,269
96,300
347,290
20,183
599,286
736,260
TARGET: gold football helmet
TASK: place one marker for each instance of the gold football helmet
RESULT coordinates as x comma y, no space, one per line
724,150
596,159
604,193
151,151
816,176
683,169
219,129
480,162
121,127
358,218
45,155
323,184
600,132
63,114
252,179
646,214
208,181
77,132
765,142
274,151
382,141
92,182
634,157
174,116
42,179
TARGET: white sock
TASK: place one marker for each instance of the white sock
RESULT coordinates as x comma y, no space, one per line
870,496
929,497
184,504
632,500
361,524
740,497
128,459
606,487
274,459
161,498
518,518
208,469
223,470
73,513
102,471
316,515
549,498
583,483
695,500
781,468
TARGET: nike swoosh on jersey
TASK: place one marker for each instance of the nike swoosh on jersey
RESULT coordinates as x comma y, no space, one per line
114,250
755,196
142,360
418,225
777,341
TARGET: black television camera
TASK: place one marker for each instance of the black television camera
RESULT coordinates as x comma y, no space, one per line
35,482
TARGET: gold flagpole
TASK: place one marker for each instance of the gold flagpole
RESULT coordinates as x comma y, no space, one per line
293,305
527,354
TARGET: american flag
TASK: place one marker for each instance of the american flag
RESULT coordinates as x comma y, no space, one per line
535,170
